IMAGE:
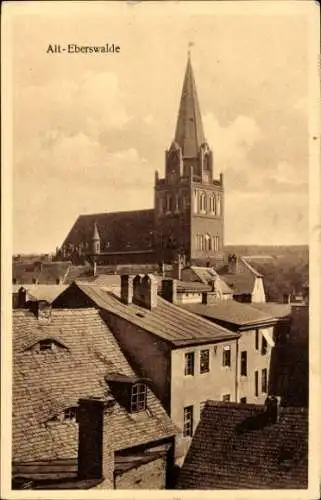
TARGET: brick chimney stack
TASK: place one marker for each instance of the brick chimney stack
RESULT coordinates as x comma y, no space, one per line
170,290
145,291
232,264
126,289
272,409
95,458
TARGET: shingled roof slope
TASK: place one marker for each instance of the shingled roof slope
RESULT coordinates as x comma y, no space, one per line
45,383
233,449
119,231
233,312
167,321
41,272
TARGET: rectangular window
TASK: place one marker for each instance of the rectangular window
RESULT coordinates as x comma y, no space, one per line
227,356
226,398
205,361
264,346
257,339
264,381
244,363
188,421
243,400
189,363
138,398
256,382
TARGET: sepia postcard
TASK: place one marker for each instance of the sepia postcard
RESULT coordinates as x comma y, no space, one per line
161,250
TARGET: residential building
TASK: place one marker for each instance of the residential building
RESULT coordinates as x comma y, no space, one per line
255,344
81,415
247,283
188,358
247,446
188,213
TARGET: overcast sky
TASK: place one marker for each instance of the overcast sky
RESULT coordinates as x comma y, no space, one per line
90,130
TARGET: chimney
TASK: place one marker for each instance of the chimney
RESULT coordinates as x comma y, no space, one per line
170,290
44,312
145,291
126,289
22,297
232,264
272,409
95,460
177,268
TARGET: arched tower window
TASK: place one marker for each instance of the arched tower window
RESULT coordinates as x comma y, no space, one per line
202,202
212,204
218,205
168,202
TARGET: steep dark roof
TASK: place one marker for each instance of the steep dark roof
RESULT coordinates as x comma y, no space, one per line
207,274
189,129
232,312
167,321
233,449
46,383
118,231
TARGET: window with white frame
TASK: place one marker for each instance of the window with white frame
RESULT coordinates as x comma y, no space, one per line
227,355
189,363
188,421
138,397
204,361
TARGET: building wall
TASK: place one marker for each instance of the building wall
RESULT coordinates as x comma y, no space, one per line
146,476
258,294
255,362
192,390
189,298
147,354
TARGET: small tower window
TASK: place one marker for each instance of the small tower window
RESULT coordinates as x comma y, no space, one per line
218,206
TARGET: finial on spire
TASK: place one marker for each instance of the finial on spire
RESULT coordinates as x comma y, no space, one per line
190,45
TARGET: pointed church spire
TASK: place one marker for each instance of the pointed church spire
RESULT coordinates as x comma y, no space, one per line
189,129
95,241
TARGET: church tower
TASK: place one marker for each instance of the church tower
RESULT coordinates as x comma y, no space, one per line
189,208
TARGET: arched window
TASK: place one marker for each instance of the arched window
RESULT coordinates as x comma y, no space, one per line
212,203
208,242
202,203
218,206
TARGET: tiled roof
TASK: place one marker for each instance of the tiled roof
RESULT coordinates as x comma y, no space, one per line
43,273
41,292
240,283
232,312
273,308
119,231
167,321
208,274
47,382
233,449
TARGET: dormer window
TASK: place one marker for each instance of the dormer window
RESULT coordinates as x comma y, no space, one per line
70,414
67,415
129,391
138,398
47,345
